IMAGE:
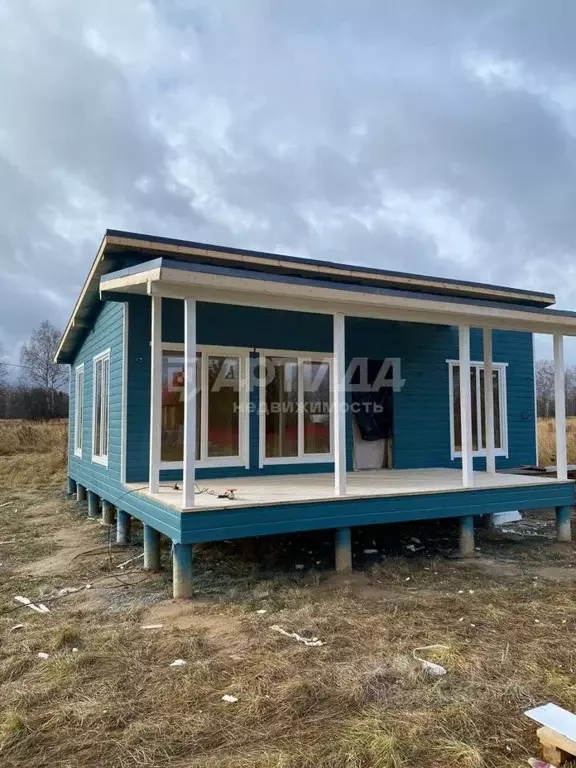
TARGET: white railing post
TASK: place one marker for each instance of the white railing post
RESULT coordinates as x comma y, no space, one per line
155,394
465,406
489,401
339,404
189,402
560,407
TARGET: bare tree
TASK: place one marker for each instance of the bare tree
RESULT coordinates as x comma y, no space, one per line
3,369
37,361
545,387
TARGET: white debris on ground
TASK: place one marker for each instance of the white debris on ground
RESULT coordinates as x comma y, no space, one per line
229,699
178,663
40,608
429,667
43,655
312,642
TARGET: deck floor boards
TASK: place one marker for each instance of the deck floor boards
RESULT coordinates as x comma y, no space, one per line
289,489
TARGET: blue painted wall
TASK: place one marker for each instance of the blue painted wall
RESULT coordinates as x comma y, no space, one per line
421,415
421,408
106,333
217,324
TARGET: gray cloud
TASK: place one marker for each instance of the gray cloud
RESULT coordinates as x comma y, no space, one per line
429,137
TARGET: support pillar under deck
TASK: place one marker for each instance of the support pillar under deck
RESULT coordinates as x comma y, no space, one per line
343,550
80,493
107,513
182,557
563,523
71,486
93,505
123,528
467,536
151,549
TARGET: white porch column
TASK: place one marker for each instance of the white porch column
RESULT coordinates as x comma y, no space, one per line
339,405
489,401
560,407
155,393
465,406
189,402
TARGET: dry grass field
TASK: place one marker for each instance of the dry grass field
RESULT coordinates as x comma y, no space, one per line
32,454
107,695
547,441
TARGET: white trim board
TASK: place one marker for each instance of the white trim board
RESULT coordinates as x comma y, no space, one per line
501,452
101,458
216,288
78,444
302,457
556,718
124,407
242,459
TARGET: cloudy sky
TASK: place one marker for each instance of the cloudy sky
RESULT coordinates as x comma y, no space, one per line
435,137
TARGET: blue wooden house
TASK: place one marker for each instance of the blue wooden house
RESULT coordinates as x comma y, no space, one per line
219,393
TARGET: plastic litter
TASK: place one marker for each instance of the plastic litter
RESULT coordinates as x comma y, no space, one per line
16,627
229,699
178,663
43,655
40,608
261,611
151,626
67,591
126,562
312,642
429,667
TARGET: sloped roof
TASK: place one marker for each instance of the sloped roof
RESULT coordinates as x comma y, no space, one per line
120,250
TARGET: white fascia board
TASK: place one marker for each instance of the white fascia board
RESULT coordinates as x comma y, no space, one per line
321,269
225,289
73,322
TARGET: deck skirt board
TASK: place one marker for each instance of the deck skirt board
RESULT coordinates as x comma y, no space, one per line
300,489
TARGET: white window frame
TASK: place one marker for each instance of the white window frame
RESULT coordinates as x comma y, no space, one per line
301,458
205,461
101,458
79,411
478,365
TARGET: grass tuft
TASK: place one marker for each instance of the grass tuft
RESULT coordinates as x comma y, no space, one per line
12,729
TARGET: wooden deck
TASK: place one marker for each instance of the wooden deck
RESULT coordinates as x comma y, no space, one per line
272,490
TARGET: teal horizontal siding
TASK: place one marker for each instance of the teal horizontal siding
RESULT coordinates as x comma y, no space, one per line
421,418
287,518
422,407
105,333
218,325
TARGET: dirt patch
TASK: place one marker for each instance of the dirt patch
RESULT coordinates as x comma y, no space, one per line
556,573
224,631
70,543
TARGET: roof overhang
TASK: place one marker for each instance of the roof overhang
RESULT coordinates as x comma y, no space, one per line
170,279
120,248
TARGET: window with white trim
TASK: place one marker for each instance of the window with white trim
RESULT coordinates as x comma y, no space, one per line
101,408
477,403
221,407
296,419
78,410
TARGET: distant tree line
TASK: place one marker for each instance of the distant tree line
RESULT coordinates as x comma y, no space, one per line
545,389
38,392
